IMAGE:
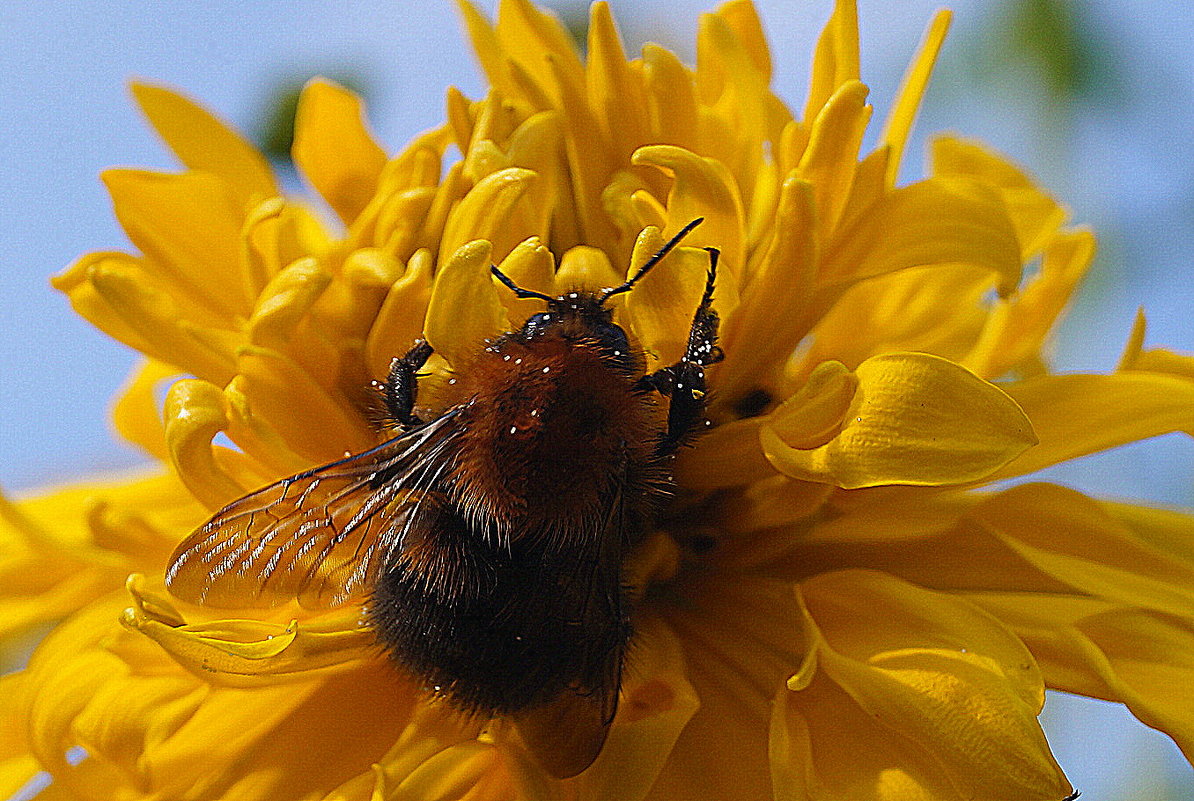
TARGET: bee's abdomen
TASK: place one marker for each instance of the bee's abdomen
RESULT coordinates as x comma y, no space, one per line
499,630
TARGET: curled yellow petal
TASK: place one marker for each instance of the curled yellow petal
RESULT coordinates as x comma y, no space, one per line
249,653
701,187
285,301
914,419
490,211
194,413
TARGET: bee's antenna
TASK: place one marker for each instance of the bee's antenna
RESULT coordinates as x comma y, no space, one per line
518,291
651,262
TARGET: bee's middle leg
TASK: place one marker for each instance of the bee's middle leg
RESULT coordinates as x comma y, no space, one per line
401,386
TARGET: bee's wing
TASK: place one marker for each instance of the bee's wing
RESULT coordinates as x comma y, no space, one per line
567,734
321,536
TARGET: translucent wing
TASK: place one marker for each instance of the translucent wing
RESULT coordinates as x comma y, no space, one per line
321,536
567,734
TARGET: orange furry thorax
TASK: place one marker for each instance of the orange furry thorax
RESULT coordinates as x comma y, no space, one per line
550,429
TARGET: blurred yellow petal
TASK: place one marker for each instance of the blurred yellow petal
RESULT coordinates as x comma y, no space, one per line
204,143
334,149
903,112
1070,537
1035,215
836,59
1017,328
135,413
1079,414
938,221
190,226
893,432
1092,647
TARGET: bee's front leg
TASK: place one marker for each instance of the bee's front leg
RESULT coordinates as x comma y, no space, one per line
401,386
683,383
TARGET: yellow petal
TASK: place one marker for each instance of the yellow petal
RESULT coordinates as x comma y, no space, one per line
912,89
728,456
938,221
531,266
915,419
194,413
831,157
814,415
492,211
399,322
771,320
202,142
1035,215
150,310
701,187
1070,537
836,58
661,306
322,427
657,703
615,90
918,695
334,149
671,103
1102,650
584,267
1079,414
252,653
1153,360
152,729
742,639
135,413
464,309
1017,327
189,226
285,301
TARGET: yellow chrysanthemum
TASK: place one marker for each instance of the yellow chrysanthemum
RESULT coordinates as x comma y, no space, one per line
836,609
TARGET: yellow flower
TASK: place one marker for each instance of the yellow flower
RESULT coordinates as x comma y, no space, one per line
835,608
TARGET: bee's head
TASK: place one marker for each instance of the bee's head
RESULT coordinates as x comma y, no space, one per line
584,314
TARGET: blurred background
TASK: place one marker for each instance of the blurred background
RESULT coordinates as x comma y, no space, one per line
1091,96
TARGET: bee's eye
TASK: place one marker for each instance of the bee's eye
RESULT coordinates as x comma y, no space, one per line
616,346
537,324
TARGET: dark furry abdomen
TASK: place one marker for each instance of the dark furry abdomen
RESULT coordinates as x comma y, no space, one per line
497,629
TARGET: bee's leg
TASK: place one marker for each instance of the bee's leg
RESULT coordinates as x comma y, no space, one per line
401,386
684,382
